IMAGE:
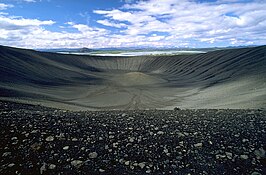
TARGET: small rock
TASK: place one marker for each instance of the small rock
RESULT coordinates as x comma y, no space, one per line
127,163
52,166
148,171
180,134
130,118
11,165
177,109
124,114
219,156
244,156
36,146
6,154
76,163
14,138
186,134
198,145
115,145
260,153
131,139
229,155
132,167
160,132
50,139
65,147
101,170
34,131
141,165
74,139
251,112
43,168
121,161
165,151
93,155
245,140
135,164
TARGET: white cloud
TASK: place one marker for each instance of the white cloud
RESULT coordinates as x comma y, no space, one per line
29,0
17,22
3,13
204,22
111,24
5,6
127,1
125,16
31,33
183,23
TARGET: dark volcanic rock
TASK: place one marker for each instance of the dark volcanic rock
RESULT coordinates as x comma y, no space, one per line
38,140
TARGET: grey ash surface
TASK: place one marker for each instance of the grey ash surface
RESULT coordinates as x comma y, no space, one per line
38,140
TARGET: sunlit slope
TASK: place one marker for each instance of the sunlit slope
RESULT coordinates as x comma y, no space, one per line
234,78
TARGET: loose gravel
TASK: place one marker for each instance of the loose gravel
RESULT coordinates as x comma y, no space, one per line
39,140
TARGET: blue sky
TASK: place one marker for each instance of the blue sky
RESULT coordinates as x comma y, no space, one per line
132,23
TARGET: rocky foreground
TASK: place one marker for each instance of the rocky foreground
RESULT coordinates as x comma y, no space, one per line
39,140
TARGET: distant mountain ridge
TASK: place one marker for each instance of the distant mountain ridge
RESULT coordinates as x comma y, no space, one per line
69,50
89,50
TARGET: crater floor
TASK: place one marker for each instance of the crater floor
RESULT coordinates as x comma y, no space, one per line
137,79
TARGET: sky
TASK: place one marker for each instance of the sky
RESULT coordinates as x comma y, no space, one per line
132,23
